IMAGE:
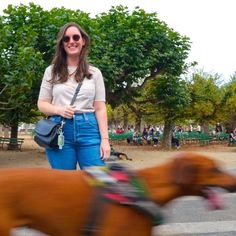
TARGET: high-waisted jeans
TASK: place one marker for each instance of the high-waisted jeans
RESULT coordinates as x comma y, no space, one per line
82,143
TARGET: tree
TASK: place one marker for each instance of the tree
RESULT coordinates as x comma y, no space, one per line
173,97
132,48
229,103
143,106
206,95
20,67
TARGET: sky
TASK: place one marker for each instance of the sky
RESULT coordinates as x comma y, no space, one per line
210,25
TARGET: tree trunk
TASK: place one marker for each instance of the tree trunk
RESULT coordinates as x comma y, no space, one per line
166,142
125,120
138,120
14,131
14,134
205,128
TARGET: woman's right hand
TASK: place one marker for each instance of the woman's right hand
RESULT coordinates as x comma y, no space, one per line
49,109
67,111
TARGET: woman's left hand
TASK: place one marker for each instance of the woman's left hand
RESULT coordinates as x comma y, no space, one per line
105,149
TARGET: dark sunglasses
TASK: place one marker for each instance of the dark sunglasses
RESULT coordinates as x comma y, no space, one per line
75,37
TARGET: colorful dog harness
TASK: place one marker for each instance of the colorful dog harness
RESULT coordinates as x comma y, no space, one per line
120,186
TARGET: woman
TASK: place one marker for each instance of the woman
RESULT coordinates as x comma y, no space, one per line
85,129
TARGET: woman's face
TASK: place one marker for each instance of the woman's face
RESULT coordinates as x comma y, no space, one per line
73,41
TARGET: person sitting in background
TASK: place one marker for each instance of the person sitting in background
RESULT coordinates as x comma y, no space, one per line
232,137
175,141
218,128
199,129
137,138
118,130
145,132
155,140
130,138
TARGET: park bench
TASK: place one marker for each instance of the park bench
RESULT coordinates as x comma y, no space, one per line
220,138
204,139
11,143
3,141
190,137
118,138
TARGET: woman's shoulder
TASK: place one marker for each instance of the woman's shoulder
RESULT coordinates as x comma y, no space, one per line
48,73
94,70
48,69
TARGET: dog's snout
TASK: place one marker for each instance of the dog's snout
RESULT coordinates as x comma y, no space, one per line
232,188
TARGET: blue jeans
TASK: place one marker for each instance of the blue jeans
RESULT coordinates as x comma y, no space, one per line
82,143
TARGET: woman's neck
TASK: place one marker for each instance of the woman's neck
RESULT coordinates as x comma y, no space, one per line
72,61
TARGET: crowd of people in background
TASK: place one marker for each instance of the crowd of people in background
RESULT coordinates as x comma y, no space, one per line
151,134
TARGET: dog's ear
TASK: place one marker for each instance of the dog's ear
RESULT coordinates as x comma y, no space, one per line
184,171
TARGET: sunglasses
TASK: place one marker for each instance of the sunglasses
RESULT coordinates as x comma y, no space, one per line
75,37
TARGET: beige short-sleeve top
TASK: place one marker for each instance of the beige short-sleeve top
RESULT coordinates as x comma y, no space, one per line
60,94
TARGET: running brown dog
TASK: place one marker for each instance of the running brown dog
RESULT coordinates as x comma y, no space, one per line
58,202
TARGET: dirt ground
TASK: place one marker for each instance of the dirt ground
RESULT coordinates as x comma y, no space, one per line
142,156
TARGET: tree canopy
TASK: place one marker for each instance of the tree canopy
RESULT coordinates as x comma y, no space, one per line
132,48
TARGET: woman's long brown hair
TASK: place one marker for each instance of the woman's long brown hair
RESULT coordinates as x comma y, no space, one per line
59,71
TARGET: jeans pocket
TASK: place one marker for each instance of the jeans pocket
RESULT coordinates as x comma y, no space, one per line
93,122
90,120
86,129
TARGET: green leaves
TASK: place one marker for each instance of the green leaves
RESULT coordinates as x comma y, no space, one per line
129,46
206,97
21,62
172,95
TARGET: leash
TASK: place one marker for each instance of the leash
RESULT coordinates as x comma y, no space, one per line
119,186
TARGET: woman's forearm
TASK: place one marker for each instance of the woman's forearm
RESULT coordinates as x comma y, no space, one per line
47,108
101,115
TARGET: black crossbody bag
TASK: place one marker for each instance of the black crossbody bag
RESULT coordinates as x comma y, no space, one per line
48,133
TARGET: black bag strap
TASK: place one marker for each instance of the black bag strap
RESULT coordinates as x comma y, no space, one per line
73,99
76,91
